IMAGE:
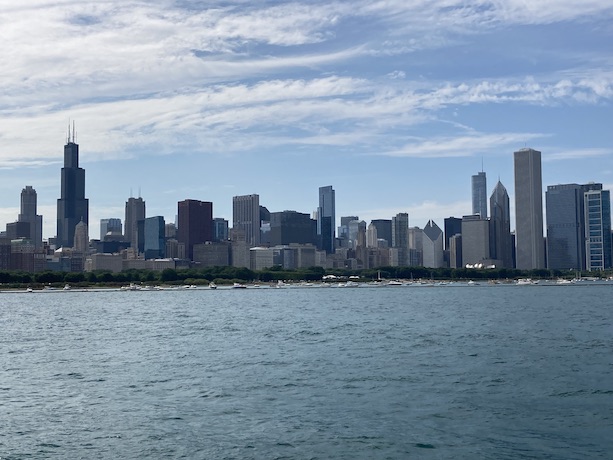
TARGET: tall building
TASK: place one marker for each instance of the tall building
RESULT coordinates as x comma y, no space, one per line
566,225
112,225
400,230
154,238
453,226
246,217
195,224
475,240
81,238
72,206
501,245
597,229
384,229
289,227
28,214
326,219
530,245
135,212
479,192
432,246
220,229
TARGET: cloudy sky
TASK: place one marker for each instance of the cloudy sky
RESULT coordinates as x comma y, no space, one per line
395,103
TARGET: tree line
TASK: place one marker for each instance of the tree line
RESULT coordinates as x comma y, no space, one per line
228,275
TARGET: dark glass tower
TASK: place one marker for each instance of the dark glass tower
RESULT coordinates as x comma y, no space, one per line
326,218
195,224
72,207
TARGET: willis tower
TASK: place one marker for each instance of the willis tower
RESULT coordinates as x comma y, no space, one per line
72,207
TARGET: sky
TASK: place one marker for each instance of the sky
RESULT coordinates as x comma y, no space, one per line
395,103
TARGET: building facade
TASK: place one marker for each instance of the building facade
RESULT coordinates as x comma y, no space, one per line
475,240
501,245
597,205
28,214
326,219
154,238
135,212
246,217
530,245
195,224
479,194
566,231
432,246
291,227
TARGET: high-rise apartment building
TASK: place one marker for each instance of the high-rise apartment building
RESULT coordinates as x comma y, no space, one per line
326,219
195,224
479,194
501,245
28,214
597,205
135,213
72,206
246,217
530,246
566,231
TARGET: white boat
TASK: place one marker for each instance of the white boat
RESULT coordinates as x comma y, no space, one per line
238,286
473,283
212,285
67,287
525,282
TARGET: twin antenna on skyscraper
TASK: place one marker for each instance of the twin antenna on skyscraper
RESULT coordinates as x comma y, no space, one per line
74,134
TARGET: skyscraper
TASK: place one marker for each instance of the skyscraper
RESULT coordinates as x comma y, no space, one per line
479,192
530,246
597,229
72,206
155,241
432,245
453,226
566,225
246,217
400,230
501,246
81,238
28,214
112,225
326,218
135,212
384,229
195,224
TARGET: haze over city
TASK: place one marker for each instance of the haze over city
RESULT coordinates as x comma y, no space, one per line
395,104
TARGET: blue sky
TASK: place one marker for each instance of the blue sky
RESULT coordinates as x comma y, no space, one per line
395,103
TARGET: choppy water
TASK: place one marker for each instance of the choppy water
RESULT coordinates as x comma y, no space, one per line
500,372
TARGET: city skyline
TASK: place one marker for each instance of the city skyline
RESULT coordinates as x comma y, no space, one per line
396,104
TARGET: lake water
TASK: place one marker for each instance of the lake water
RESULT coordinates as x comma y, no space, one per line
499,372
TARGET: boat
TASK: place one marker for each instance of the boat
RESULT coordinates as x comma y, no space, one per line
212,285
29,290
67,287
238,286
473,283
525,282
394,283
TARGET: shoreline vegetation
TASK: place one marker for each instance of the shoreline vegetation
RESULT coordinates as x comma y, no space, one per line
223,276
